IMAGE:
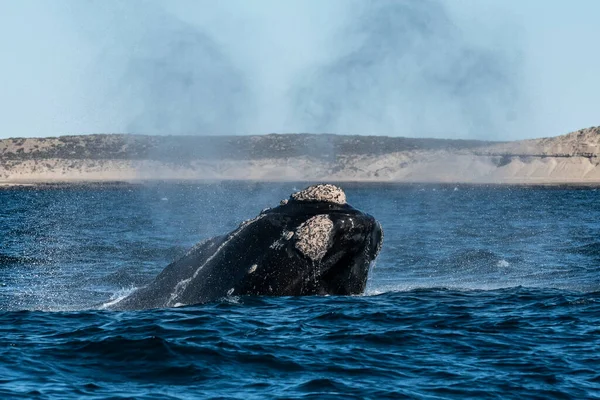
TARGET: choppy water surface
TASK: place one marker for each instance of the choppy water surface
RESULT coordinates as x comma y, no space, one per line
482,292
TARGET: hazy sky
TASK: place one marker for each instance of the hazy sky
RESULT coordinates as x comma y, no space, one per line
503,69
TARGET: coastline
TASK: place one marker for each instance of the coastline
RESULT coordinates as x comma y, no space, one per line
572,159
133,183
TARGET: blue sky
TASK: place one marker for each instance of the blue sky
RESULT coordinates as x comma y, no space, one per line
456,69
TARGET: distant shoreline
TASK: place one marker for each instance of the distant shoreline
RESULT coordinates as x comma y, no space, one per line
118,184
572,159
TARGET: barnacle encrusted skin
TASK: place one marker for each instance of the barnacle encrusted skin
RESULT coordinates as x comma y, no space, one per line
279,243
312,236
322,192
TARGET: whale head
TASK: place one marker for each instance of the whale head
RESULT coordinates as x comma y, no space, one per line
328,244
313,243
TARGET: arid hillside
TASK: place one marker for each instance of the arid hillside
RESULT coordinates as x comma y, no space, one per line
190,148
571,158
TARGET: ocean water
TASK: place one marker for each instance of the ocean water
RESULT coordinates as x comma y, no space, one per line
479,292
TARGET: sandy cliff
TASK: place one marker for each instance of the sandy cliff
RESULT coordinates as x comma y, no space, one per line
571,158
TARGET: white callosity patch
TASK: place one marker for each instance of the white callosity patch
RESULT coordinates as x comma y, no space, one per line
313,236
322,192
279,243
253,268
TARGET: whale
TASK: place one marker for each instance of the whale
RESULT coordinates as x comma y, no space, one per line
313,243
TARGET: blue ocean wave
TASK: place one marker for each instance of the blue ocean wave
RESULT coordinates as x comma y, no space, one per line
478,293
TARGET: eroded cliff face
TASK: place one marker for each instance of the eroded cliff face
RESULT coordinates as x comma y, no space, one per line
571,158
582,143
